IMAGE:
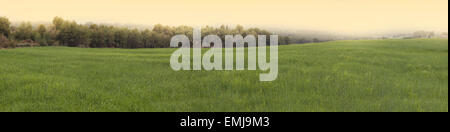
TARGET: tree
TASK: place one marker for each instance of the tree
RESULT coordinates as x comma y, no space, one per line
41,37
423,34
41,30
147,38
72,34
24,32
431,34
316,40
97,36
158,28
284,40
134,39
58,22
4,26
52,36
121,37
109,34
238,30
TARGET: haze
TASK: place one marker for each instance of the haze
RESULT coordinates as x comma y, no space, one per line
345,16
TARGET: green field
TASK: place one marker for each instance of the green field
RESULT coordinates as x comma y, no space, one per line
365,75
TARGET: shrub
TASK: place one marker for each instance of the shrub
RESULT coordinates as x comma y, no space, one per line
6,43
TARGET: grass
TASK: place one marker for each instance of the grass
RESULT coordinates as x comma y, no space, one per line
365,75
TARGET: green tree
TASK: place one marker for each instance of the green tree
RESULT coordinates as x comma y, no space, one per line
134,39
72,34
147,38
4,26
52,36
58,22
121,37
41,30
238,30
109,34
97,36
24,32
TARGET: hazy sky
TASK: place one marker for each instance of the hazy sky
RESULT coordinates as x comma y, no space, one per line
330,15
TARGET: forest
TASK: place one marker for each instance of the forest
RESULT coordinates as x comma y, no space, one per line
70,33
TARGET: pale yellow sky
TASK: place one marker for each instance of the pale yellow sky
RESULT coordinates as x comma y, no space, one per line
329,15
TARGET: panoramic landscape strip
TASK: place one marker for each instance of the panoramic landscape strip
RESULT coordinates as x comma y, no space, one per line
249,59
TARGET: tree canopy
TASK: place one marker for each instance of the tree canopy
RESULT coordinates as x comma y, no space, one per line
4,26
70,33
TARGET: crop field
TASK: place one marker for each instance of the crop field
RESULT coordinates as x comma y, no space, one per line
360,75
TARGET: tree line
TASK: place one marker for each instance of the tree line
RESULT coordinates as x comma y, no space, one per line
69,33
